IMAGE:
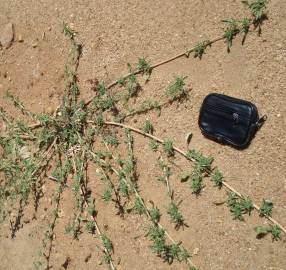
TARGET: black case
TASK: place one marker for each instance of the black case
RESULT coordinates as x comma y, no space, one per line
229,120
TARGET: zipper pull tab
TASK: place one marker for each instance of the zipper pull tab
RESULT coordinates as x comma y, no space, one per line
261,121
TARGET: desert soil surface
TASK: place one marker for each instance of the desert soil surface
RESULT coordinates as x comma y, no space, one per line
114,33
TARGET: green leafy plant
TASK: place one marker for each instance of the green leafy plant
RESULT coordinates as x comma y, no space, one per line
175,216
201,162
196,181
266,208
68,31
107,195
257,8
239,206
145,67
106,243
200,48
155,214
138,207
168,148
168,252
274,230
66,141
231,30
90,227
217,178
147,127
245,25
176,90
153,145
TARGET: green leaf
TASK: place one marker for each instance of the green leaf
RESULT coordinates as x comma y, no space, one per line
266,208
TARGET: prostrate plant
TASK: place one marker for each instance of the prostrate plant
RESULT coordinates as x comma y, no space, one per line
266,208
274,230
65,140
239,206
148,127
199,49
231,30
157,234
168,148
167,252
175,216
245,25
217,178
176,90
145,67
258,9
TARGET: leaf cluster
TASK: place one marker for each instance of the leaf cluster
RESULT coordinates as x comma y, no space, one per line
175,216
274,230
168,252
239,206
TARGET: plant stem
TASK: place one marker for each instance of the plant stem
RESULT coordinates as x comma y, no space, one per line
92,217
146,208
178,150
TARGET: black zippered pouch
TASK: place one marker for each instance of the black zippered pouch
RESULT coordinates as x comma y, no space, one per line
229,120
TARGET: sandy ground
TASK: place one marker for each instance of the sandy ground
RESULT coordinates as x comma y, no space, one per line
114,33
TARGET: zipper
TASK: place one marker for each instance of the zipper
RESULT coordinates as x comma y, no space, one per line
230,113
261,121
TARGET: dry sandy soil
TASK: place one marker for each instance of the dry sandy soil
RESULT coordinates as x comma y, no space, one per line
114,33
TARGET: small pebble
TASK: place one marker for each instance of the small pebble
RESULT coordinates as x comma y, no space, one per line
196,251
20,38
279,115
50,110
34,44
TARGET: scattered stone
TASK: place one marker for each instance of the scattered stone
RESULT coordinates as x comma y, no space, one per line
86,259
50,110
279,115
20,38
34,44
7,35
196,251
